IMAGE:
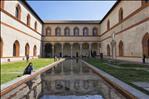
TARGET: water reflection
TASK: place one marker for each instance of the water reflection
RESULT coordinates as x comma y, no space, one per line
71,77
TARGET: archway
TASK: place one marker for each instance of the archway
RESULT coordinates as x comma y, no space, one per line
48,50
108,50
16,48
94,49
27,49
58,49
67,50
1,47
85,49
34,50
76,50
121,48
145,44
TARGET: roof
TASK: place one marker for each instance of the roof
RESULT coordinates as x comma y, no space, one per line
72,21
30,9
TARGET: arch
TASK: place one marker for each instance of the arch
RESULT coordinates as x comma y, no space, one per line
58,31
35,25
16,48
58,49
48,50
28,20
95,31
67,31
145,44
120,14
85,31
121,48
108,50
18,12
108,25
2,4
85,49
34,50
27,49
76,31
67,50
1,47
48,31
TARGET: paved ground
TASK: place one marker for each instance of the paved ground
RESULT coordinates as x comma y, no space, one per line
144,85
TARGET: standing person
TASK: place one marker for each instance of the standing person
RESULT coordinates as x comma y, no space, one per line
28,69
143,59
27,58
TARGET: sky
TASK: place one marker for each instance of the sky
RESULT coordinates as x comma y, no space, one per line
71,10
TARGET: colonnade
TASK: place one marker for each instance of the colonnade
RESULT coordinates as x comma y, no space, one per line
64,49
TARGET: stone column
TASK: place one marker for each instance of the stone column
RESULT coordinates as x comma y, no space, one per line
98,48
71,46
62,46
52,50
90,48
81,50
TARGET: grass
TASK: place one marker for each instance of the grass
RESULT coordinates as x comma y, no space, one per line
126,75
10,71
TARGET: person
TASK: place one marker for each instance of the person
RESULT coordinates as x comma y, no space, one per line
27,58
28,69
143,59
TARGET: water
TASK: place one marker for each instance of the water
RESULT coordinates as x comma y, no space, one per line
71,79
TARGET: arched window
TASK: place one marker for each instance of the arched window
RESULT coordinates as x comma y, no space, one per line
145,44
1,47
27,48
58,31
145,2
66,31
48,31
34,50
121,48
120,15
76,31
108,25
95,31
28,20
108,50
2,4
16,48
35,26
18,12
85,31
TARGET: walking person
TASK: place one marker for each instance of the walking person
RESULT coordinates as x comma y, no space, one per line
143,59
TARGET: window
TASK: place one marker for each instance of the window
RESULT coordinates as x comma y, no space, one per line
66,31
121,48
34,50
58,31
85,31
16,48
94,31
76,31
108,50
145,45
28,20
120,15
2,4
145,2
48,31
18,12
35,26
27,49
1,47
108,25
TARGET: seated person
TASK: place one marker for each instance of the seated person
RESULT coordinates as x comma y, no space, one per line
28,69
